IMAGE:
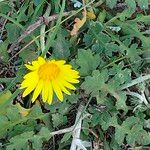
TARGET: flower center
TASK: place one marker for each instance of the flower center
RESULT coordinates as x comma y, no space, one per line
48,71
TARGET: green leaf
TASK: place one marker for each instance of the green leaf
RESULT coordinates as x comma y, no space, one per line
13,113
85,127
73,98
132,129
96,82
37,2
4,98
28,55
3,122
119,135
131,4
121,102
84,59
94,27
88,39
20,141
4,57
13,32
102,15
114,144
120,75
64,108
110,48
97,48
36,111
58,119
61,46
111,3
4,7
133,136
45,133
143,4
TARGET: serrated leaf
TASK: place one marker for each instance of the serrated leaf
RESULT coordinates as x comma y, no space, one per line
96,27
64,108
97,48
119,135
110,48
35,112
96,82
111,3
58,119
132,128
28,55
13,32
121,102
4,7
13,113
143,4
61,46
88,39
84,59
20,141
44,132
131,4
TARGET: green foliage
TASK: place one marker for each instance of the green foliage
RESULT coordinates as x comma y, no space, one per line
22,141
61,46
109,52
111,3
58,119
95,83
132,129
3,50
85,57
13,32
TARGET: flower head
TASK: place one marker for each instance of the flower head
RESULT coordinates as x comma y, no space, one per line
47,77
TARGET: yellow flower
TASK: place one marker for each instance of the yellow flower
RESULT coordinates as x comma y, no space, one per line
47,77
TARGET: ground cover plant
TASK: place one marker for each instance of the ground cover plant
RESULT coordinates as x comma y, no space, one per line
74,74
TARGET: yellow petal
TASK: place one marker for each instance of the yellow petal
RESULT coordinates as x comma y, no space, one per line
30,67
61,62
68,85
38,90
28,90
50,93
63,88
31,75
31,80
57,90
41,60
45,91
72,80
